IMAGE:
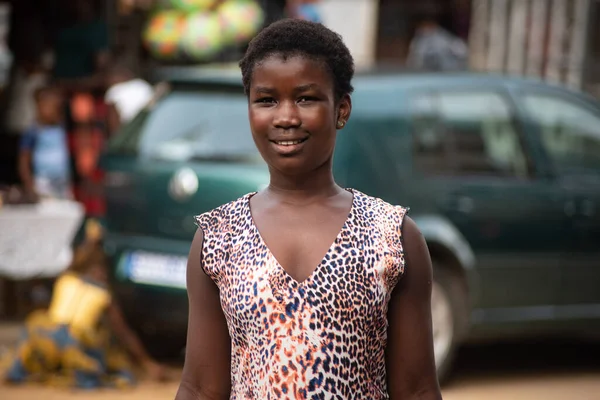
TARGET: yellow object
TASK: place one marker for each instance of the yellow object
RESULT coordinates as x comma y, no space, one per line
190,6
163,32
69,345
93,230
240,20
78,303
201,37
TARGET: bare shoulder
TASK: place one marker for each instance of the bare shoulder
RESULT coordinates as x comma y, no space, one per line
416,254
194,265
411,234
198,238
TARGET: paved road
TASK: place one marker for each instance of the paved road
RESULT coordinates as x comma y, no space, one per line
513,371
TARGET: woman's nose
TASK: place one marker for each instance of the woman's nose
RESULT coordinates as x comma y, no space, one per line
287,115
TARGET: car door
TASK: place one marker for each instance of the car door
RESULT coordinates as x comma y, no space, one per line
569,129
473,160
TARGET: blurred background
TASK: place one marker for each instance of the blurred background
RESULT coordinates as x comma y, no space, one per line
121,119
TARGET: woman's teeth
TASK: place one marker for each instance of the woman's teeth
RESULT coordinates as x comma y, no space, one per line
289,142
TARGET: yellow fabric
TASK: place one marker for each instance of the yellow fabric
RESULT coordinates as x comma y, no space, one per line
77,303
51,353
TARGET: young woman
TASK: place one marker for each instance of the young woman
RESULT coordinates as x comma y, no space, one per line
306,290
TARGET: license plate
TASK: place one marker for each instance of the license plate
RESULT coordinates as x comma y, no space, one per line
155,269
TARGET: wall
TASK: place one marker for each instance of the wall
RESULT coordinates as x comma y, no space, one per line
539,38
356,21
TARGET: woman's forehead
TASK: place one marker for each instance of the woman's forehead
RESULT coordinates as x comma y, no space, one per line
276,70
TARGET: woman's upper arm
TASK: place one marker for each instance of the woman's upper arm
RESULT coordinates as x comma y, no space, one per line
206,373
411,372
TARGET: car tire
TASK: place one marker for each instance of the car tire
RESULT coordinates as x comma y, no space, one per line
448,317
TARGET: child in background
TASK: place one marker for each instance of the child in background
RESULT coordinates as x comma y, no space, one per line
71,343
44,165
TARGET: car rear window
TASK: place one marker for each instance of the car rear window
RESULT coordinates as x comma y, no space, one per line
197,125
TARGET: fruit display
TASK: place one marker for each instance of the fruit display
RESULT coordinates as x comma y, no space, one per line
197,30
192,6
240,20
163,34
201,37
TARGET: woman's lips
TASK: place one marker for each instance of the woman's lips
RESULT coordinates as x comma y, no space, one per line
288,147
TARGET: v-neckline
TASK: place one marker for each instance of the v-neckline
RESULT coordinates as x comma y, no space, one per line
337,238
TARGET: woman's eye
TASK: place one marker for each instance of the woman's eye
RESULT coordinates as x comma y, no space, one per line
265,100
305,99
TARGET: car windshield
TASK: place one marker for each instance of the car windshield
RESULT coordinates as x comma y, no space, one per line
199,125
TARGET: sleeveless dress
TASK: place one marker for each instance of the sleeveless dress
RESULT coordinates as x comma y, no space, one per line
322,338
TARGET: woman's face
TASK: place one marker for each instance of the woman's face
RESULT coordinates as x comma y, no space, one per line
293,113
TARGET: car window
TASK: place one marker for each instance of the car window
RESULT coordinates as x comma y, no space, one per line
569,132
197,125
466,133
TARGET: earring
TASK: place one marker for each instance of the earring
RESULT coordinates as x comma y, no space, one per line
341,124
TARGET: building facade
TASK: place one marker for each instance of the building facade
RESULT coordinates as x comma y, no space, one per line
555,40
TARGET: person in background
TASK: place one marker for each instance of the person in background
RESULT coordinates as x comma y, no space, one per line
435,49
126,96
44,156
31,68
82,56
29,76
72,342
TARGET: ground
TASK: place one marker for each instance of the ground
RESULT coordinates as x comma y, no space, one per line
515,371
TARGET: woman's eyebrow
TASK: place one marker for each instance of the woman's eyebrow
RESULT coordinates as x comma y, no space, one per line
304,88
263,90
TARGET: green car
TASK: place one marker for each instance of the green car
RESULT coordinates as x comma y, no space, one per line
502,176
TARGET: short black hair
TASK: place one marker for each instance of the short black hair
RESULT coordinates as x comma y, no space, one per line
47,91
291,37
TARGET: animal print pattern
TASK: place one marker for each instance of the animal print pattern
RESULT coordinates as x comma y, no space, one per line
323,338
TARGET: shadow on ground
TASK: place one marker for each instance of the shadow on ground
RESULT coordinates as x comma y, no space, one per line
524,357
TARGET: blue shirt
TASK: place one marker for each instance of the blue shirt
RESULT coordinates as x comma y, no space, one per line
49,152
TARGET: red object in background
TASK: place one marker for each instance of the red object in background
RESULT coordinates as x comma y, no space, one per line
86,142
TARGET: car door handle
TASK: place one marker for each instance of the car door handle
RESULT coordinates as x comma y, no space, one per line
465,204
588,208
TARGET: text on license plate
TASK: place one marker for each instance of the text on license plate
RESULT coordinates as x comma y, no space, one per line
155,269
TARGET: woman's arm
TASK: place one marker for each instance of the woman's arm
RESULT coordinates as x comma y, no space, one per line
25,172
26,148
410,363
206,373
113,120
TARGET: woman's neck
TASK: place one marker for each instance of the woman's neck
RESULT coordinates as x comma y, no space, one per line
318,183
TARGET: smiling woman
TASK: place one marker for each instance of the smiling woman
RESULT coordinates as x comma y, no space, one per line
306,289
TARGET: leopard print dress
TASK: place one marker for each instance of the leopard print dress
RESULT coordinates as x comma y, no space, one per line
322,338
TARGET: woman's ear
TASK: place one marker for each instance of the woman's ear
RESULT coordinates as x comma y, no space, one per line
344,111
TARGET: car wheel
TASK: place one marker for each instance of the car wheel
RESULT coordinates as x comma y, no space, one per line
447,316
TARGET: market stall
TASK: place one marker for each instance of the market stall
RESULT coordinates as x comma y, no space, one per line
35,239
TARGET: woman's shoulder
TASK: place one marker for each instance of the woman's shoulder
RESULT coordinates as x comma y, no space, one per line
220,218
375,208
